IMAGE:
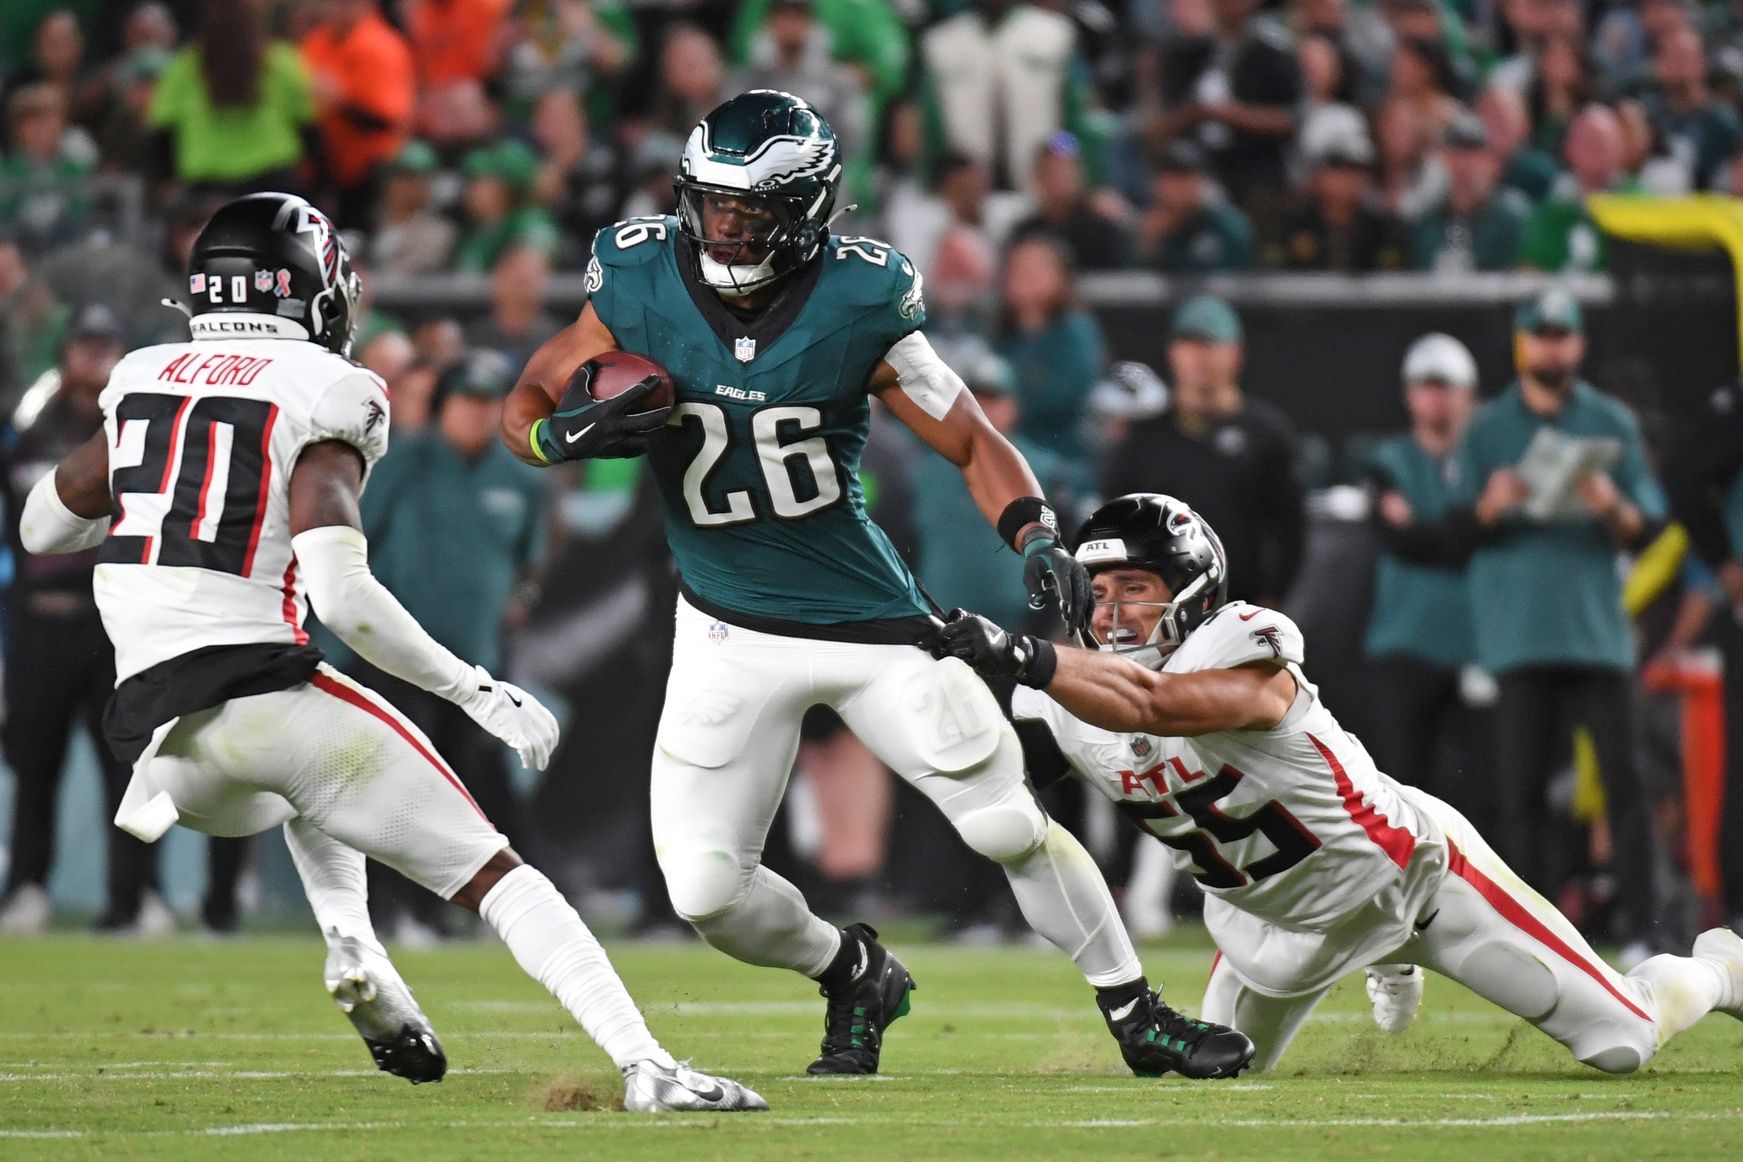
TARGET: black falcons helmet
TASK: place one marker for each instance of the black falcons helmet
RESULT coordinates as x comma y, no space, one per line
1147,530
274,254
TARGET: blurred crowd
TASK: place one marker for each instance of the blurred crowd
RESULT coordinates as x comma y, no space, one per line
1006,148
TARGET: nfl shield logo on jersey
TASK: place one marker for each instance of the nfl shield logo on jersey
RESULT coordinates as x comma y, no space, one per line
745,349
717,632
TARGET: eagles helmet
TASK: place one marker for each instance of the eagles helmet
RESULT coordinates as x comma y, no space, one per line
768,164
1157,533
278,256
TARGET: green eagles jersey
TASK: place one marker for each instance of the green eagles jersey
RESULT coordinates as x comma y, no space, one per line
758,468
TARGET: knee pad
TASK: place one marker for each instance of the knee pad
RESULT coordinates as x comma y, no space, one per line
702,884
1005,831
1512,978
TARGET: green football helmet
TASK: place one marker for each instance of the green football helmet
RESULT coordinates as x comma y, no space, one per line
756,189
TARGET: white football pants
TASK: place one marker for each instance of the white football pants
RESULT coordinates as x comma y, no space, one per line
1487,929
336,754
727,740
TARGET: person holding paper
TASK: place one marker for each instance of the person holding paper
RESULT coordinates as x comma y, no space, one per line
1547,597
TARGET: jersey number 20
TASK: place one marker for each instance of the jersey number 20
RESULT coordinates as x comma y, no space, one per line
189,479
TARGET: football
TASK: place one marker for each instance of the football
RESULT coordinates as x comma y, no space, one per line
618,371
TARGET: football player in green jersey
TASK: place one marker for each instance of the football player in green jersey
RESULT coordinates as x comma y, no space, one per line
777,335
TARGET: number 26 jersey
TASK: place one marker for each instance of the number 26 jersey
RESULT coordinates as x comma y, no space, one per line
1294,824
202,439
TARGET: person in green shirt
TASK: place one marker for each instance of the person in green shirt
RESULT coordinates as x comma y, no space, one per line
455,526
1054,346
1523,166
1692,124
500,212
44,192
236,108
1547,596
1478,224
1419,636
1562,237
1190,229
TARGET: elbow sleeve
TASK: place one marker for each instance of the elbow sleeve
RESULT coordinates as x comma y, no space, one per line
47,525
365,616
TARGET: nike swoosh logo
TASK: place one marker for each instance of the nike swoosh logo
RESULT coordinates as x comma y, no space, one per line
1249,616
712,1093
1123,1011
1424,923
864,961
573,436
512,698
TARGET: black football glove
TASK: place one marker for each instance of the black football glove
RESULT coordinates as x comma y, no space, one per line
993,652
583,428
1054,577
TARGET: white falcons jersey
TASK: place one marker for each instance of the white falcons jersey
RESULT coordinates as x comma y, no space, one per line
1292,824
202,440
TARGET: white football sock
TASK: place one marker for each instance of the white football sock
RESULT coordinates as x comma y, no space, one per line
773,926
1683,989
1064,897
334,881
556,949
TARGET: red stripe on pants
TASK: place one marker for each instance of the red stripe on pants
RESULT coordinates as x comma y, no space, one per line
358,699
1520,917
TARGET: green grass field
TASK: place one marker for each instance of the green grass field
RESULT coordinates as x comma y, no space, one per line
201,1049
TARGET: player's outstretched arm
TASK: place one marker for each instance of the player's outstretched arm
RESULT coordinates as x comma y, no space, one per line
546,377
1118,694
327,538
929,398
68,510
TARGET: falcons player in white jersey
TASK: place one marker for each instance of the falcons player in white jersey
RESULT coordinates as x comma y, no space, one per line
223,489
1194,717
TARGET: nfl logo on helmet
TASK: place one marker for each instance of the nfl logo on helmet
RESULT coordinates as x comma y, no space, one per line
263,281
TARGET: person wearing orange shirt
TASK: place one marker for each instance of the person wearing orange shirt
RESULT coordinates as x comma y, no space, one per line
365,87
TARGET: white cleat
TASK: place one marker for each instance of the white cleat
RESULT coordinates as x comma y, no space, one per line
1726,948
27,912
368,990
1396,993
652,1088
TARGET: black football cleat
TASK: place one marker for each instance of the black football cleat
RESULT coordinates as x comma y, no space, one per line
1154,1040
371,993
860,1009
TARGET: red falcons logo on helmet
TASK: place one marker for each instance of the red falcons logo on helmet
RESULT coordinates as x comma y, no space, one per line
325,239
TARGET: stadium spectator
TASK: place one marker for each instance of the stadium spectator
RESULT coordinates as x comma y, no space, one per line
1410,179
1236,90
1327,111
235,109
866,35
1479,225
1423,78
364,86
1232,458
1697,129
518,321
572,46
1190,228
1053,345
1352,45
457,49
965,200
44,190
792,53
692,81
1524,167
1000,78
581,176
1089,222
1703,473
1339,224
455,523
123,134
499,211
1419,637
60,669
960,290
57,58
410,237
1561,85
1561,236
1551,626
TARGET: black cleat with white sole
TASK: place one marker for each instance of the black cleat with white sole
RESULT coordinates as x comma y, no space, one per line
1154,1040
872,994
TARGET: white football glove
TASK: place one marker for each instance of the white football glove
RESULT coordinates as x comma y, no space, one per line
511,714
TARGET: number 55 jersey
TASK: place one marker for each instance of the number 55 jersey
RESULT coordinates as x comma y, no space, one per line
202,439
1294,825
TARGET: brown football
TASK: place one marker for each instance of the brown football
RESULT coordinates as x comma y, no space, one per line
618,371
